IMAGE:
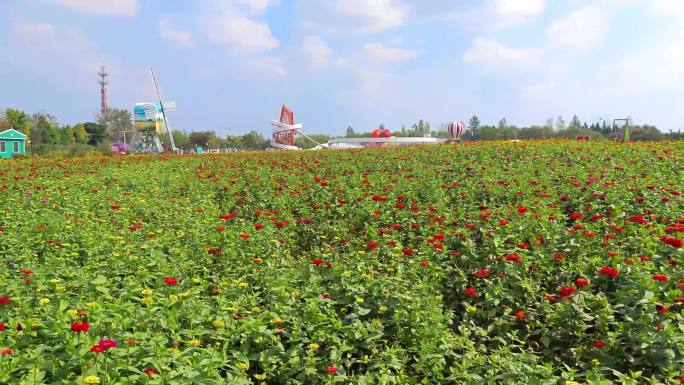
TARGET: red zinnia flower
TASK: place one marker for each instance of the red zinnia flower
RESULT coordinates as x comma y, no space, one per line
659,277
171,281
4,299
470,292
326,296
599,344
551,298
6,352
2,326
258,226
566,291
244,236
520,315
425,264
151,371
80,327
372,244
581,282
522,209
332,370
317,262
97,349
609,271
482,273
107,344
26,272
408,251
575,216
514,258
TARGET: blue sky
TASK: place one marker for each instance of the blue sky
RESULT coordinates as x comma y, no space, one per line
230,64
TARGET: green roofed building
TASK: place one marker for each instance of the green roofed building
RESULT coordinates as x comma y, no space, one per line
12,142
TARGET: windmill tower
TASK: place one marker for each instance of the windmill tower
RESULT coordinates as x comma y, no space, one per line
151,121
103,90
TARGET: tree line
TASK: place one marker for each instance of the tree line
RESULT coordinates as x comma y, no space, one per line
46,136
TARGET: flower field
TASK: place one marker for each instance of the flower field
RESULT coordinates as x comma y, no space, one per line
545,262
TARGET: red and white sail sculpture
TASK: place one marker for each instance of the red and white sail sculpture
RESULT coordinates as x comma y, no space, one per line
285,130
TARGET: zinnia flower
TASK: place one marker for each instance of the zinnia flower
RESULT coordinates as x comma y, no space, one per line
4,299
581,282
107,344
520,315
566,291
171,281
609,271
598,344
659,277
80,327
332,370
470,292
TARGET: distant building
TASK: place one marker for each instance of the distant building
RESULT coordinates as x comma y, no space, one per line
12,142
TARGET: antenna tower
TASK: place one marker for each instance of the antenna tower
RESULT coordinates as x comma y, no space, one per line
103,89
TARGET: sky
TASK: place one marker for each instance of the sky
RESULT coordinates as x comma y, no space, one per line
230,64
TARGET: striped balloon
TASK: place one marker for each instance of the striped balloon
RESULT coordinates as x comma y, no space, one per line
456,129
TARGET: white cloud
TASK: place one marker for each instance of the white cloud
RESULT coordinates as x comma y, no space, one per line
231,28
373,15
513,11
656,67
380,52
318,52
580,29
168,32
267,65
45,37
103,7
255,5
351,17
492,53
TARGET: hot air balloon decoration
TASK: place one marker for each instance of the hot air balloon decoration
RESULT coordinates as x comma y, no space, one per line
456,129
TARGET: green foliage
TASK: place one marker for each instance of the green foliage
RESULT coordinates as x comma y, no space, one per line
248,238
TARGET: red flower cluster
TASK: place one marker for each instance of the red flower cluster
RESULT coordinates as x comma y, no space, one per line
566,291
171,281
660,277
609,271
514,258
4,300
80,327
103,346
470,292
581,282
672,241
151,372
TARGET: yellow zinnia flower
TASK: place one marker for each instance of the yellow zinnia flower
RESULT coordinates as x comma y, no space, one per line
194,342
44,301
92,380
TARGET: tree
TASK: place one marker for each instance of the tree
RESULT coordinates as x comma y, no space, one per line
80,134
350,132
19,121
96,133
44,128
115,122
560,123
503,124
575,123
474,124
199,138
69,133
